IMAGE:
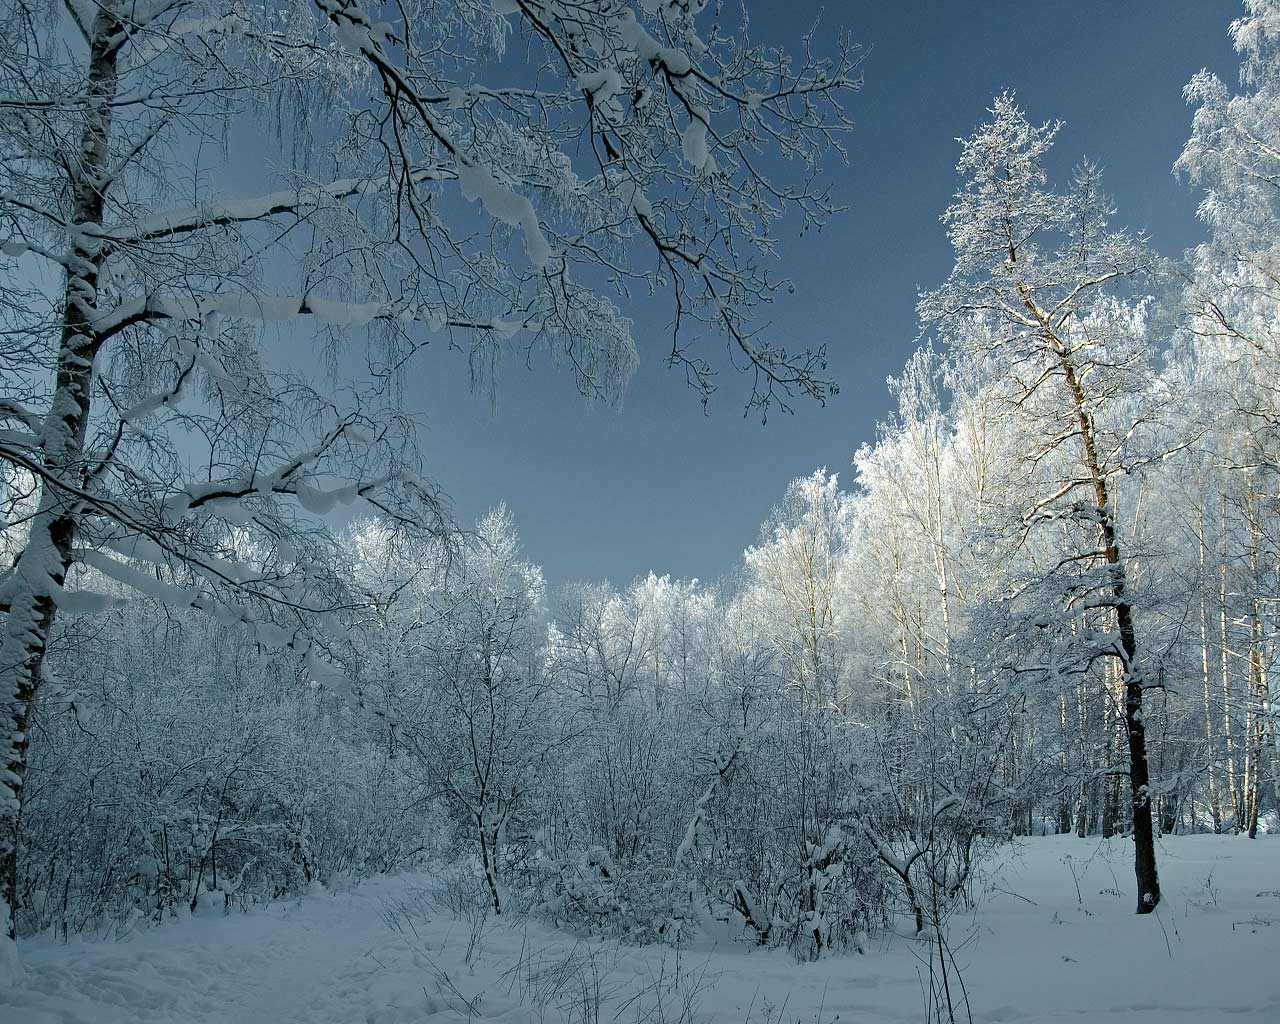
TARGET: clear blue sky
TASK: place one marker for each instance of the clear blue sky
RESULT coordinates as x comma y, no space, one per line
606,494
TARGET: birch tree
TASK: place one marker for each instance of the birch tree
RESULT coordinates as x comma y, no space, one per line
1046,274
794,571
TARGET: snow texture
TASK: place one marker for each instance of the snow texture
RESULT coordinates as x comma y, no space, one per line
501,203
1037,953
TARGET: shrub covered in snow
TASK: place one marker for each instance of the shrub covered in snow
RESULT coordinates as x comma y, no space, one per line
186,766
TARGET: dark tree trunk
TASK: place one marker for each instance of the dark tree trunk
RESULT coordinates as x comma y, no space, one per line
42,565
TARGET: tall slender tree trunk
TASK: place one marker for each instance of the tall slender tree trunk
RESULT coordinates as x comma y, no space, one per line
1215,800
1224,642
1086,809
489,862
1065,804
1081,414
1144,847
1268,715
42,566
1113,696
1257,671
938,530
1255,729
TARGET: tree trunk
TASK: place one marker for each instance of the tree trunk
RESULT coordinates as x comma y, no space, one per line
1215,801
1111,732
42,566
1228,735
488,836
1087,811
1144,847
1257,673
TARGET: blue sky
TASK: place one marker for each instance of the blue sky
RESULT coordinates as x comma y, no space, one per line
605,494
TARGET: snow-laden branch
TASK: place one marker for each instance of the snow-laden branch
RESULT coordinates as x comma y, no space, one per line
358,34
171,305
185,220
724,768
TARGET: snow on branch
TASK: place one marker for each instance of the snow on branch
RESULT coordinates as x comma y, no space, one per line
160,306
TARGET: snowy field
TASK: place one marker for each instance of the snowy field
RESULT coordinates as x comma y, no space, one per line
1053,939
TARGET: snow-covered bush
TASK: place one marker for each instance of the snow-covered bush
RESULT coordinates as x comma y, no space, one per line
189,764
641,903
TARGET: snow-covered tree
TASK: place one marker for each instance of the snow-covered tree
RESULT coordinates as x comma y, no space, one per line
1232,300
615,148
794,573
473,706
1047,279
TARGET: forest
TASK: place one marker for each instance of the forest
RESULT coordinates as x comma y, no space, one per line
248,650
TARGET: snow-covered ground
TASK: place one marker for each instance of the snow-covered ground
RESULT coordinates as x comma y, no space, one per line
1053,939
